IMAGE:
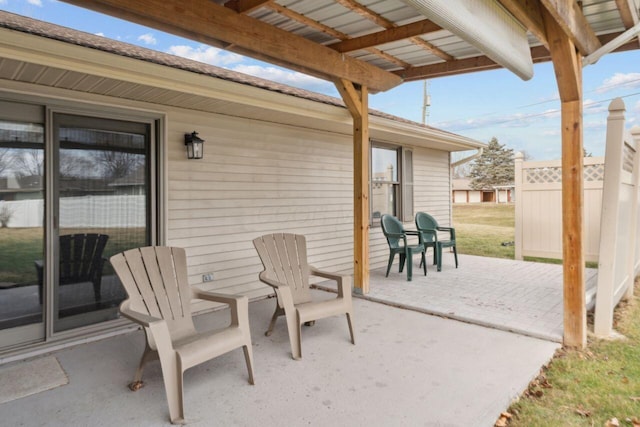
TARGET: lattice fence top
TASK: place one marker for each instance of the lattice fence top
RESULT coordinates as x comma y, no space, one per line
545,175
628,154
551,174
594,172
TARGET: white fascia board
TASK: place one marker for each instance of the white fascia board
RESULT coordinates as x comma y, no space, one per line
58,54
419,136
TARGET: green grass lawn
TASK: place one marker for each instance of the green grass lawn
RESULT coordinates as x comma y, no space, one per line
481,229
589,387
579,387
20,247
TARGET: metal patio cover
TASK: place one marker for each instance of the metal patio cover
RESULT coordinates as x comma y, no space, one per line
374,43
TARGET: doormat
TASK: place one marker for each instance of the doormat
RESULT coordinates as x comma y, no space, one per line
27,378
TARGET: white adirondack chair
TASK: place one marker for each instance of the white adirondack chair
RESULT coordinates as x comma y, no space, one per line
284,257
155,279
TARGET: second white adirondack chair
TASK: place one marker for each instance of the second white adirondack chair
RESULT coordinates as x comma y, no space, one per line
284,257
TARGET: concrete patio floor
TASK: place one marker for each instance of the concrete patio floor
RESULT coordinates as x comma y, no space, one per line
407,368
519,296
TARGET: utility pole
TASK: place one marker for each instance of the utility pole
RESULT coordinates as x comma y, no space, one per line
426,102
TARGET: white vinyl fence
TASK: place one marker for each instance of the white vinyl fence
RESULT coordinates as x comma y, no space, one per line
619,260
611,214
539,207
82,212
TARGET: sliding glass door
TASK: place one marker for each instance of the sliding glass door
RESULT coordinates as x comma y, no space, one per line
74,190
22,154
101,207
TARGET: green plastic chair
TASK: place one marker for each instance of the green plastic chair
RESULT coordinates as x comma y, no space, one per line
428,228
397,239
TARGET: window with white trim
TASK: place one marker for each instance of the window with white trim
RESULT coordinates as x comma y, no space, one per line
391,180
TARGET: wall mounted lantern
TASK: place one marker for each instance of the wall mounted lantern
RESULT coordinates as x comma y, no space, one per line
194,144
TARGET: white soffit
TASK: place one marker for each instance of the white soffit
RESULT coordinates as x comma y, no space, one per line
485,25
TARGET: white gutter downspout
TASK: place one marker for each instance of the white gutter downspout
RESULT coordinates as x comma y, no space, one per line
467,159
453,165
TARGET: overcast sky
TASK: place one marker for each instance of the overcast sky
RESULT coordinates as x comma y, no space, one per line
522,115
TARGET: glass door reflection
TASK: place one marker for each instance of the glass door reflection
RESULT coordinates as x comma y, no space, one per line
21,231
102,204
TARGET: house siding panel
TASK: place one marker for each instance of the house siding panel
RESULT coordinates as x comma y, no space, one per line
257,178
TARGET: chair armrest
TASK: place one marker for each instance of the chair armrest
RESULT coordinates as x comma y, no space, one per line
396,235
238,305
412,232
341,280
137,317
451,230
231,300
326,274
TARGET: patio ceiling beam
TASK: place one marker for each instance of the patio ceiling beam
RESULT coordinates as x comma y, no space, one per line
568,15
483,63
461,66
207,22
246,6
357,101
628,13
385,23
567,65
332,32
529,14
387,36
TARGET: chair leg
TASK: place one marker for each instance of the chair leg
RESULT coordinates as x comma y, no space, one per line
435,255
409,257
455,255
278,312
439,257
423,261
96,290
173,385
248,357
391,256
403,258
176,399
147,356
349,321
298,337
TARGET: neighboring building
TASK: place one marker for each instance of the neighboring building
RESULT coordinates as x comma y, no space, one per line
461,192
113,117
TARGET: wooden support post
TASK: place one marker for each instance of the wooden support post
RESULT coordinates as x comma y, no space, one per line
357,101
575,315
568,69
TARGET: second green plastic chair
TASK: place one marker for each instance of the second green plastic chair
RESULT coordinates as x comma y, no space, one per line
428,228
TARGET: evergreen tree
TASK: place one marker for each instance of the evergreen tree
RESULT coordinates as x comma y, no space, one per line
494,167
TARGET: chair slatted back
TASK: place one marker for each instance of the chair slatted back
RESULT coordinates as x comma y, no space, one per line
80,257
156,281
284,257
391,225
424,221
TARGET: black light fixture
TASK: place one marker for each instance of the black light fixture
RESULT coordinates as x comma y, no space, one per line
194,143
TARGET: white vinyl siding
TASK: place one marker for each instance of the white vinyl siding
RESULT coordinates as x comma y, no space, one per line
257,178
